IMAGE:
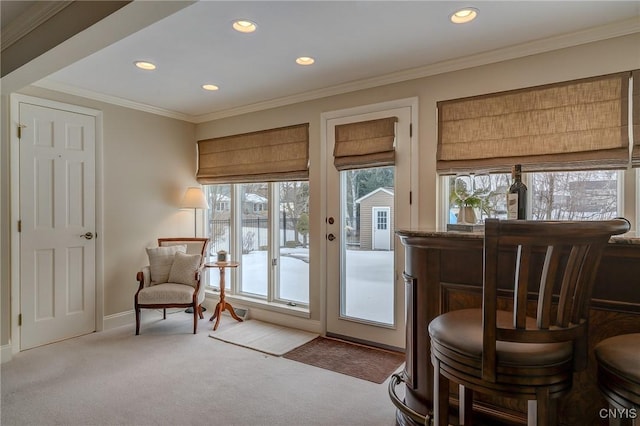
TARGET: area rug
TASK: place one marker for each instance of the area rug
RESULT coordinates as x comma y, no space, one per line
264,337
363,362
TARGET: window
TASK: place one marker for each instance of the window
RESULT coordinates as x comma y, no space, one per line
575,195
266,226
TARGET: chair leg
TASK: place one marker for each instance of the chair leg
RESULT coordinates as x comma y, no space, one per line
137,319
196,310
542,411
466,405
164,313
440,396
200,312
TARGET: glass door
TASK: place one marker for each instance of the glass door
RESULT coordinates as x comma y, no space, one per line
365,291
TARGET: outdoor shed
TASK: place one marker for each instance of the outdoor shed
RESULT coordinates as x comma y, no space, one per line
376,220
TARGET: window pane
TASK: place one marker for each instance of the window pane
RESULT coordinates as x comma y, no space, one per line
294,242
584,195
588,195
255,228
219,197
493,205
367,250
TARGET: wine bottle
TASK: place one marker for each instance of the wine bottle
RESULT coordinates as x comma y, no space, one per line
517,195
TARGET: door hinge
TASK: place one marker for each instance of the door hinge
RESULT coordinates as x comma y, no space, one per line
20,127
19,320
19,226
274,262
410,130
410,197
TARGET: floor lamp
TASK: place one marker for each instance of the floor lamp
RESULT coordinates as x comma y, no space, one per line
194,199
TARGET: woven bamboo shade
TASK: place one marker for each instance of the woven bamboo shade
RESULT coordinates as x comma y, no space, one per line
635,154
575,125
266,156
365,144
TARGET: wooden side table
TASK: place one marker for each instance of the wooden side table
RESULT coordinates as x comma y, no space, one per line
222,304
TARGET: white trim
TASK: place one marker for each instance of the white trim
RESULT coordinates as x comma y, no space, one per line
6,353
29,20
617,29
119,320
372,193
15,101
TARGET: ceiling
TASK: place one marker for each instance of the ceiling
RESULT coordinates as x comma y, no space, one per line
355,44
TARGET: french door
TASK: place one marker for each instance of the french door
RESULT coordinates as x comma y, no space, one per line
365,290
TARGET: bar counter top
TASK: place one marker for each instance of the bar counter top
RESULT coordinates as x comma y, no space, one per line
632,237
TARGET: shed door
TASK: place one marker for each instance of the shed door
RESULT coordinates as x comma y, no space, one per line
381,233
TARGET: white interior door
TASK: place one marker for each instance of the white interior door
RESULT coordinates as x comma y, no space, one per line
57,213
365,291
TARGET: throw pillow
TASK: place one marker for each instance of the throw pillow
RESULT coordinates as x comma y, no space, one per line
160,261
183,270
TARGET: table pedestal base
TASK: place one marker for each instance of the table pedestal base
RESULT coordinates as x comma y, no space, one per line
217,313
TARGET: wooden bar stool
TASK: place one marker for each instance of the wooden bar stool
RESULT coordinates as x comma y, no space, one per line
618,360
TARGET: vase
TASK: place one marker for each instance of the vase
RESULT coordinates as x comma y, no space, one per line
467,215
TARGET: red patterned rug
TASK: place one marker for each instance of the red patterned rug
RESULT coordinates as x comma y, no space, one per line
363,362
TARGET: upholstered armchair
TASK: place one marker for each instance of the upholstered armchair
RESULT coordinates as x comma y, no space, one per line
172,278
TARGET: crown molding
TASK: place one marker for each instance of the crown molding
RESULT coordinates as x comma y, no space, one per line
604,32
114,100
29,20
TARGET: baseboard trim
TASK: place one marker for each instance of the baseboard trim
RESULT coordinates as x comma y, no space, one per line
6,353
119,319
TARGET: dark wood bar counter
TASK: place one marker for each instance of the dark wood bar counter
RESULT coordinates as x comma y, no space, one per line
443,272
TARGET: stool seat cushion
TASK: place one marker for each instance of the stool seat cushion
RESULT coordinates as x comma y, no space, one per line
461,331
621,354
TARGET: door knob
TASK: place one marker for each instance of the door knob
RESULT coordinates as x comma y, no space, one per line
331,237
87,235
330,220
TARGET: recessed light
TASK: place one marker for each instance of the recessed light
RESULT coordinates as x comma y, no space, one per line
244,26
210,87
465,15
305,60
144,65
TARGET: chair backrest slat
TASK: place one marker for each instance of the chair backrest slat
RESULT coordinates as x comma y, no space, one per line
546,287
521,286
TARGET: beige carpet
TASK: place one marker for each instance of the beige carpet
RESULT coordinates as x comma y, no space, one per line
264,337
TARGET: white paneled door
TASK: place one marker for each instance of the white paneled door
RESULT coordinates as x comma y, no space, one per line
57,213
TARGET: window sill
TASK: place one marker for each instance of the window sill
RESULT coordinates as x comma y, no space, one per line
250,302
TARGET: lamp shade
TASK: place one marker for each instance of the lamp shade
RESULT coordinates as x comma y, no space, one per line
194,199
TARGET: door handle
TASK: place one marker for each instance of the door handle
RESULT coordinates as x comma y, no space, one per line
88,235
331,237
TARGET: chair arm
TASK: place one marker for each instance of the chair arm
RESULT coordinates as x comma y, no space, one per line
144,277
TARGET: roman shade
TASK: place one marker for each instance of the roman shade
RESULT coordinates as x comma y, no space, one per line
365,144
635,154
575,125
272,155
